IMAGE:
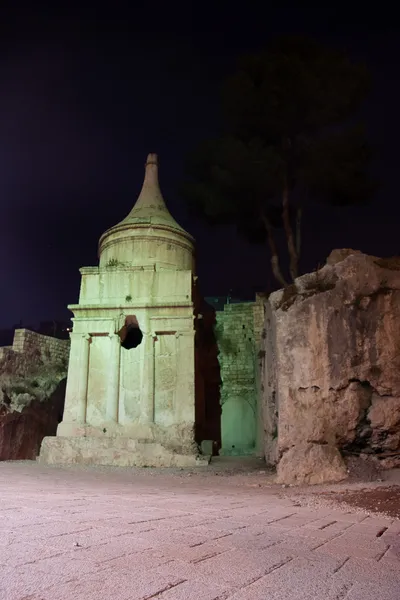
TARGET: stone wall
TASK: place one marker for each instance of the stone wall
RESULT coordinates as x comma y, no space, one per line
32,389
238,332
48,348
331,378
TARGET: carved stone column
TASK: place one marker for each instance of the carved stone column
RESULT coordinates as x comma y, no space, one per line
113,382
82,377
150,377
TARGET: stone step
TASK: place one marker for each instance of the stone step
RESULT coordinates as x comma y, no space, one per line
114,451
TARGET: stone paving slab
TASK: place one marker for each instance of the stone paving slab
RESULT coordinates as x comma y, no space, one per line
87,534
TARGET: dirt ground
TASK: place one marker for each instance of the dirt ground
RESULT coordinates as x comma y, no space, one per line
368,489
379,500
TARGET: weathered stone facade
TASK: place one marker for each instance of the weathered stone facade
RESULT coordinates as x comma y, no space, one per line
238,333
130,396
331,381
32,388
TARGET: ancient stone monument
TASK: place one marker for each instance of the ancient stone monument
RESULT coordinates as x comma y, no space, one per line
130,396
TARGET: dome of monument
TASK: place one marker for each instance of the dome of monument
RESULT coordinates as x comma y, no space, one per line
149,236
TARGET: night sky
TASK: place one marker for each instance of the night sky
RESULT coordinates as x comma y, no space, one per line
85,96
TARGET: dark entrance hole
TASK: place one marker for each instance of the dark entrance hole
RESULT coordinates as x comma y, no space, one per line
130,334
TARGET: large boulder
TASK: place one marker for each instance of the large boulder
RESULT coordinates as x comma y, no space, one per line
333,367
312,464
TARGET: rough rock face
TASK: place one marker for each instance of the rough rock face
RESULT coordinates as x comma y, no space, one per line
22,432
32,391
311,463
332,377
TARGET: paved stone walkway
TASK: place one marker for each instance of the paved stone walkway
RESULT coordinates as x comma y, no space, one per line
101,535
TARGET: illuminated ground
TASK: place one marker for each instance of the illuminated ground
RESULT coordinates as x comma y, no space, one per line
101,534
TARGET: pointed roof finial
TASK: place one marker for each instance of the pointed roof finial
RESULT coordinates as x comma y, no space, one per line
152,159
150,206
150,184
150,197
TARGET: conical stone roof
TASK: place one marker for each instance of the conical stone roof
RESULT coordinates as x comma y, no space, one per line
149,216
150,207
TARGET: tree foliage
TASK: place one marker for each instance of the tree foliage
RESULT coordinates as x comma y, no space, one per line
290,137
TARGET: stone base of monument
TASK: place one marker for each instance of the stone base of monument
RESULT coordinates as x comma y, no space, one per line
114,451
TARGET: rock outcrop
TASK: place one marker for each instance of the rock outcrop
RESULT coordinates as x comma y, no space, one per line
332,372
32,390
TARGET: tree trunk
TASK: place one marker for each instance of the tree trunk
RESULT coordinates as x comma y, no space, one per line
276,269
293,257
